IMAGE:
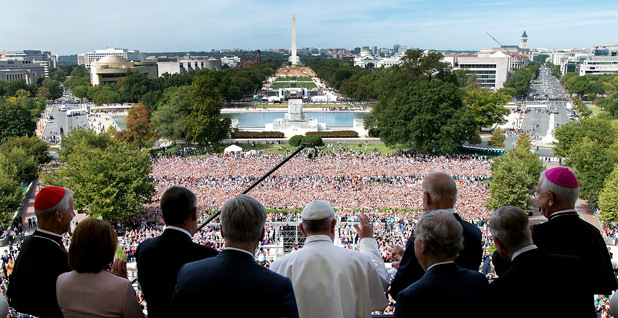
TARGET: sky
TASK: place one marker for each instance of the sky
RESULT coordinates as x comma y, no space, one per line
78,26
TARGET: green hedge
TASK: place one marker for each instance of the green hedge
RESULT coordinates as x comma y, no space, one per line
257,134
334,134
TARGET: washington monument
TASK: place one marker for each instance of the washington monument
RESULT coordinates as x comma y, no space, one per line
294,59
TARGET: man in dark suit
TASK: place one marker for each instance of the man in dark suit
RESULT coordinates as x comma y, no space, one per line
232,284
565,233
32,286
445,290
439,192
558,282
159,259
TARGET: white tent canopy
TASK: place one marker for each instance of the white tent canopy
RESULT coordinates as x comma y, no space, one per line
233,149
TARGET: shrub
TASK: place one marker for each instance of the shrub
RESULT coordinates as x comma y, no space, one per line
296,140
334,134
257,134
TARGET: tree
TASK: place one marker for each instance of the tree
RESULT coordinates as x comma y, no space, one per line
10,191
572,133
514,175
139,128
33,146
593,163
428,115
26,167
487,107
204,122
608,201
109,179
15,119
172,111
497,138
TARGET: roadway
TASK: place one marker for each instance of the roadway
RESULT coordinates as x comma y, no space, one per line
546,97
59,124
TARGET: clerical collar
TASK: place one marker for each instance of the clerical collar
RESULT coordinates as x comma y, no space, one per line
49,233
441,263
523,250
562,213
178,229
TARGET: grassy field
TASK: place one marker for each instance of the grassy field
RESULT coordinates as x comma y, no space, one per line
596,110
277,85
284,148
351,146
285,106
299,79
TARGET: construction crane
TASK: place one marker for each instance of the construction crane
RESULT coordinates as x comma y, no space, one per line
502,46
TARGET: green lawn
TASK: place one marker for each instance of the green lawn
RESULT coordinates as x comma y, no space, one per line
299,79
277,85
351,145
596,110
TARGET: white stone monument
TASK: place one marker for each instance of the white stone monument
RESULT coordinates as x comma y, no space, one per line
294,59
294,121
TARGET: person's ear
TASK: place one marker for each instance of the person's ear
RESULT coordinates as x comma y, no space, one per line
194,214
262,234
302,229
58,215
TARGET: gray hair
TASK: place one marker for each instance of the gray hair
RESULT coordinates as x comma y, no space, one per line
562,193
63,205
440,185
510,225
318,226
242,219
441,232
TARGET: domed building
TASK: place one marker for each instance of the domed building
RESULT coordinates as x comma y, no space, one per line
113,68
364,58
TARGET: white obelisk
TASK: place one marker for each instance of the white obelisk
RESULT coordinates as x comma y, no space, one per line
293,57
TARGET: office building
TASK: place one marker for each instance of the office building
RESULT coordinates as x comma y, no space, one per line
491,70
91,57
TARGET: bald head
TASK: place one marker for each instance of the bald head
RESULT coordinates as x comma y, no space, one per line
439,191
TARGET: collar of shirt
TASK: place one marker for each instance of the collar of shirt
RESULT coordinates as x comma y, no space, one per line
452,210
239,250
178,229
49,233
441,263
318,238
561,213
523,250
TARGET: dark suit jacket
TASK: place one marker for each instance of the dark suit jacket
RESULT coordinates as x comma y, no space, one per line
158,261
539,284
232,285
469,258
445,290
32,287
570,235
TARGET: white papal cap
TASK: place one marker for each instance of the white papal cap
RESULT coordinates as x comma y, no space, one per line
317,210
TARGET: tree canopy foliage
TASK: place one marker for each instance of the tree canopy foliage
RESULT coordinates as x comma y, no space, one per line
519,83
591,147
421,105
109,178
514,175
140,131
204,123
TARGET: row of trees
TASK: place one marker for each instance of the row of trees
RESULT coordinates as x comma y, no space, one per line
21,153
232,83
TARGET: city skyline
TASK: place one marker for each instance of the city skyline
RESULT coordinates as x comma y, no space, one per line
181,25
